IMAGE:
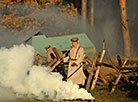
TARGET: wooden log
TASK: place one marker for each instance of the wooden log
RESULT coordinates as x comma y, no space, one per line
118,78
105,64
91,74
116,82
128,68
119,60
97,71
123,65
54,66
129,72
40,55
110,62
103,79
59,61
118,68
89,61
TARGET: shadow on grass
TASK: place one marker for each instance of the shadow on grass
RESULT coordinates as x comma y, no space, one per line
123,93
131,90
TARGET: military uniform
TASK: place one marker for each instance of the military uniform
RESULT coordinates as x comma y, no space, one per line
75,59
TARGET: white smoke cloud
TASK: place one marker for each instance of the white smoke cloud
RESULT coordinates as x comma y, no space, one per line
4,92
39,84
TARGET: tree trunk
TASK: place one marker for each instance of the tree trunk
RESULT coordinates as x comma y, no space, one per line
92,15
84,15
84,10
133,27
125,28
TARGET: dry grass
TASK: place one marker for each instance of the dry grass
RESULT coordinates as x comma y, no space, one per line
102,94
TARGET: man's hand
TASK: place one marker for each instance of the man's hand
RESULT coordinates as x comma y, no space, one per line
73,64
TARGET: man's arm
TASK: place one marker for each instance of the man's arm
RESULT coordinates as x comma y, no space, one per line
66,59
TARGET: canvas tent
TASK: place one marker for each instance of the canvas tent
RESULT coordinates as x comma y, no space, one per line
39,41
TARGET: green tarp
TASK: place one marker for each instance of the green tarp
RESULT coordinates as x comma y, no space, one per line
39,42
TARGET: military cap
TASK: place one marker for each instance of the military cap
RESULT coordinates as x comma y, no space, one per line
75,39
47,47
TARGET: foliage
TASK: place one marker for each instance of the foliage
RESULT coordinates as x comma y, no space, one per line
18,16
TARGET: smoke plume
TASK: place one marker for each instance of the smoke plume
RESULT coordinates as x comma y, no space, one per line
106,20
16,62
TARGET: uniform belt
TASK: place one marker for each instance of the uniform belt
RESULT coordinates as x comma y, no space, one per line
72,59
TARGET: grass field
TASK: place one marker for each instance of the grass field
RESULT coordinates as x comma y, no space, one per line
102,94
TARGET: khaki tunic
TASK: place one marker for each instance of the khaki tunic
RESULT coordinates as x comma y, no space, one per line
78,54
53,55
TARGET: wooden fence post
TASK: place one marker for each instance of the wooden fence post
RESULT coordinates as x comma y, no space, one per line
117,79
116,82
91,74
98,69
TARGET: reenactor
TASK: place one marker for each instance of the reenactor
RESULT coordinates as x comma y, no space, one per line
75,58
